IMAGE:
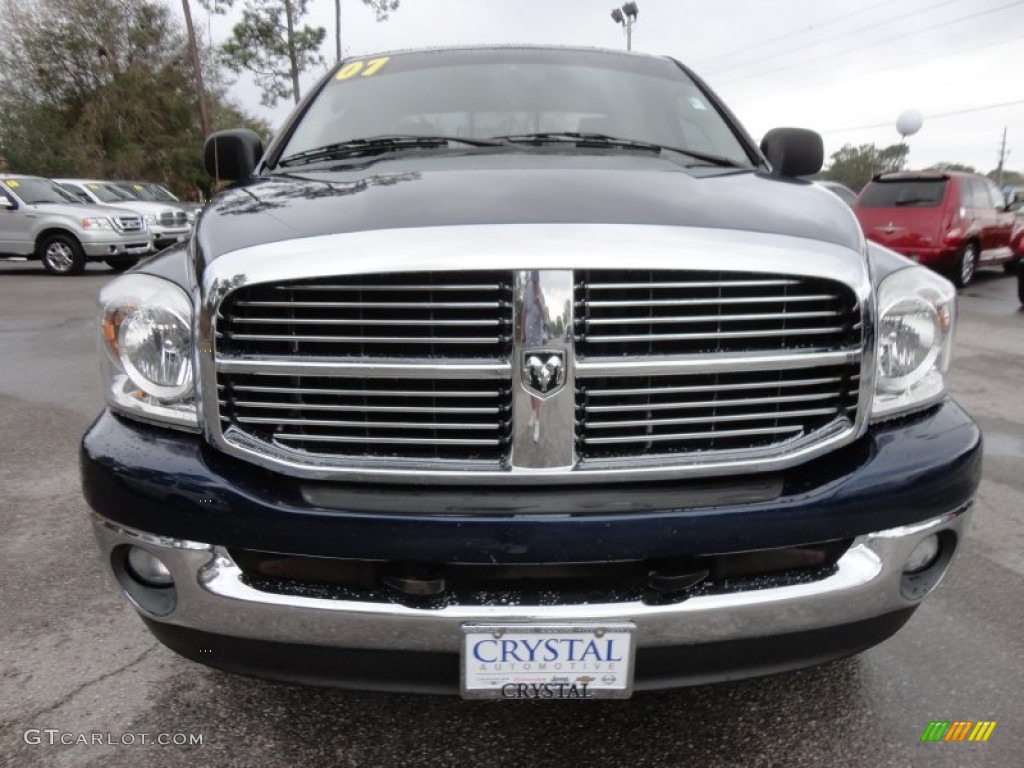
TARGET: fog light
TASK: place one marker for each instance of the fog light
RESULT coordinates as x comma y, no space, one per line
924,554
147,568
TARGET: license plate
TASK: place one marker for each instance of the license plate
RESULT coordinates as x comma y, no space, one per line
547,661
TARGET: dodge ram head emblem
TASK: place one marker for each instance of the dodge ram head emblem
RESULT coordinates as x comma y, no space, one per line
543,372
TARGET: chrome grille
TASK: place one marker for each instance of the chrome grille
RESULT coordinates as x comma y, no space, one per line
633,312
700,413
129,224
463,419
173,219
421,315
423,372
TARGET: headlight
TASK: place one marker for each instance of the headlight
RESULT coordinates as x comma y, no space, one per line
96,222
150,219
146,341
916,316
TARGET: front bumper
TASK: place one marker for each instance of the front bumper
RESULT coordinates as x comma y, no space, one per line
126,247
171,494
163,237
212,596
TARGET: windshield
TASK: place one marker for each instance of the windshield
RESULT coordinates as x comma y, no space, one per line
913,193
514,92
159,193
109,193
134,191
33,191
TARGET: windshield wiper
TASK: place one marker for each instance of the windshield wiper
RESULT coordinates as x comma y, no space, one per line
915,201
378,144
588,139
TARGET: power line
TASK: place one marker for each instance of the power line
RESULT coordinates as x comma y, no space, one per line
944,53
840,36
861,47
794,33
936,116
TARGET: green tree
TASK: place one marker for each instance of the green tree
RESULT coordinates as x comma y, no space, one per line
854,166
271,42
103,88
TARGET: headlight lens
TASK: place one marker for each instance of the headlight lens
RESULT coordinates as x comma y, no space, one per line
146,336
916,316
96,222
150,219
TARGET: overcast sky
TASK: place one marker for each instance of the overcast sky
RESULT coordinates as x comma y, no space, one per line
845,68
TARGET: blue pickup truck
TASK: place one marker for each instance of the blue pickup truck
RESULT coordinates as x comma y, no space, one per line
525,373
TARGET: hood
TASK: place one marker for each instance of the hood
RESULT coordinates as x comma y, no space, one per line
83,210
142,207
405,191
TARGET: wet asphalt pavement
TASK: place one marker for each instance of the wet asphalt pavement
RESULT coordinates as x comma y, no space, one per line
75,658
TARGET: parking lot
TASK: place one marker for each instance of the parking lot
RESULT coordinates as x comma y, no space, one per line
75,658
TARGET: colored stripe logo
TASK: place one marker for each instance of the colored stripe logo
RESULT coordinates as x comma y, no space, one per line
958,730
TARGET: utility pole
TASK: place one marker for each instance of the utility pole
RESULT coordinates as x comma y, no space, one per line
626,16
1002,160
337,31
197,72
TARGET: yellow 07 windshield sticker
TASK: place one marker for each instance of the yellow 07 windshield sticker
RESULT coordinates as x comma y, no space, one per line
12,183
367,68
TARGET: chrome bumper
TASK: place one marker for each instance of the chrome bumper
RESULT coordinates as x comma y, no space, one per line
139,246
212,597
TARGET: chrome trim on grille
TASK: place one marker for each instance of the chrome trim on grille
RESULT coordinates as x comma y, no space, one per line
129,224
520,249
541,418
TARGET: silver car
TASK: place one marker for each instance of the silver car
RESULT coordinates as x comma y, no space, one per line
168,223
41,220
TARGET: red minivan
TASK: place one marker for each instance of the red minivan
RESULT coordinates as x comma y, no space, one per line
952,222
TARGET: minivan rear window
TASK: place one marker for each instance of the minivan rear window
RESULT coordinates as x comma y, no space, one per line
905,193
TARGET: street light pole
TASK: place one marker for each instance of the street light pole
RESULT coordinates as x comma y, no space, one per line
626,16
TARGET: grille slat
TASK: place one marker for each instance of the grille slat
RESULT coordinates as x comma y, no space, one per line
361,408
334,321
705,302
425,441
711,403
725,433
361,424
372,304
598,339
324,339
775,415
710,318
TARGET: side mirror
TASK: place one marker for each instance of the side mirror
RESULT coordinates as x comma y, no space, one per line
6,202
793,151
233,154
